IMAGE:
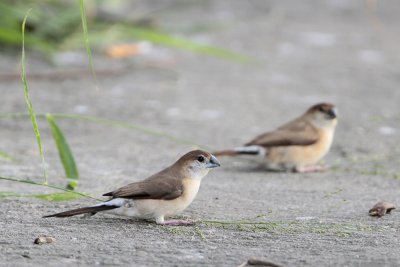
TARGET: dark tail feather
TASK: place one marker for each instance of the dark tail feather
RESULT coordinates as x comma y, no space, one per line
229,153
74,212
244,150
247,152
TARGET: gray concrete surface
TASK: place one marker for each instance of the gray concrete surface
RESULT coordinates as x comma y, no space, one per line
309,51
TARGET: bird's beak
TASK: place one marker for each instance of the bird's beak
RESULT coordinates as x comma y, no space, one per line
332,113
213,162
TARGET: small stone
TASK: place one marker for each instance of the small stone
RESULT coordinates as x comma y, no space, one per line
381,208
44,240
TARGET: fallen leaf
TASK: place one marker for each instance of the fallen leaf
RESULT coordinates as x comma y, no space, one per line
381,208
128,50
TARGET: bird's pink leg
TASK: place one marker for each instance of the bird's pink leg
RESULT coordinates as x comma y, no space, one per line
178,222
310,168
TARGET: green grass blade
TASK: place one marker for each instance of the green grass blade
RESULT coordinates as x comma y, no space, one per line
28,99
167,40
113,123
47,185
130,126
5,156
9,194
58,196
65,153
49,197
86,37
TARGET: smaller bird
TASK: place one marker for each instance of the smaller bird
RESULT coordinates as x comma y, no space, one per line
297,145
163,194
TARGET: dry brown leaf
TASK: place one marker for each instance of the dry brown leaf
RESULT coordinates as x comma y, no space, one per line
381,208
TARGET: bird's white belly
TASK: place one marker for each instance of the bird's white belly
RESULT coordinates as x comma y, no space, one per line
292,156
159,208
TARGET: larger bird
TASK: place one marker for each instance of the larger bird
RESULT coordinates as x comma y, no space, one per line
297,145
163,194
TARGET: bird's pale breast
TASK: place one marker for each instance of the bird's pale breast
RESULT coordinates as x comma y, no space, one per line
302,155
151,208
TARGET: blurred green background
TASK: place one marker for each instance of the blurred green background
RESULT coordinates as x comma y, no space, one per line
57,26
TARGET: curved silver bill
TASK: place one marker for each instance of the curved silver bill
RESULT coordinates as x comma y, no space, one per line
213,162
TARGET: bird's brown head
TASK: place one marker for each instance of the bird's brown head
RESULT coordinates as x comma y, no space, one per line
323,114
198,163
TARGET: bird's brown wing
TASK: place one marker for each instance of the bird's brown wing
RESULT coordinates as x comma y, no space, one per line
293,133
158,186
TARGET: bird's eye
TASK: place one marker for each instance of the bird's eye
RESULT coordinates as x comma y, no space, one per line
200,159
321,109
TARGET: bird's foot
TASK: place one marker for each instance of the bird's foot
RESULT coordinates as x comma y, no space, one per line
310,168
179,222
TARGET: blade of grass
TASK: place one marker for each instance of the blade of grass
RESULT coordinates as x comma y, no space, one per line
48,185
113,123
58,196
65,153
236,222
86,37
129,126
28,99
49,197
167,40
5,156
9,194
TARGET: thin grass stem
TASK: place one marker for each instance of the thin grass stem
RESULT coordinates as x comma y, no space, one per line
86,38
49,186
115,123
235,222
28,99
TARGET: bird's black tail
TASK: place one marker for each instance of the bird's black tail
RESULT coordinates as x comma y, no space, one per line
93,210
229,153
244,150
